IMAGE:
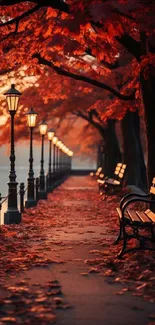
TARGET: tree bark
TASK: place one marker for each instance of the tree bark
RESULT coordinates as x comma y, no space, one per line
100,155
132,150
112,153
148,96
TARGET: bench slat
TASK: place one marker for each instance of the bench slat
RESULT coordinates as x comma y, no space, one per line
133,216
150,215
152,190
143,217
116,182
100,181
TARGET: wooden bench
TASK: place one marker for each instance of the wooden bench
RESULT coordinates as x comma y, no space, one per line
101,178
136,223
98,172
111,184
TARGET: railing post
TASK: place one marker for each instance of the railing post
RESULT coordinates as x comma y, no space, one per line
37,188
22,192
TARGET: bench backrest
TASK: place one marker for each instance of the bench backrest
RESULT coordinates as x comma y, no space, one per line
152,188
99,169
117,169
122,172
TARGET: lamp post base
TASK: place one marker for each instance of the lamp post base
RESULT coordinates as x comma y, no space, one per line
50,189
11,217
30,203
42,195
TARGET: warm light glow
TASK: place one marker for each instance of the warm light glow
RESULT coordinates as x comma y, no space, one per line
3,120
64,148
61,145
12,96
50,134
54,140
43,128
70,153
58,143
31,118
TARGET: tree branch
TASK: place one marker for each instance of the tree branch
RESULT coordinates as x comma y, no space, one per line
126,40
123,14
96,125
131,45
18,18
55,4
93,82
110,66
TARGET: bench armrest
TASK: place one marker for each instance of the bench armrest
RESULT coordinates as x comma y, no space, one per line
135,200
127,196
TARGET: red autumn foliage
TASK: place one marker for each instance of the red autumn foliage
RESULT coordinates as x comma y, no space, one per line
85,40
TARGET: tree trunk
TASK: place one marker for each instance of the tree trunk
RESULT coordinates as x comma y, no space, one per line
148,96
132,149
112,153
100,154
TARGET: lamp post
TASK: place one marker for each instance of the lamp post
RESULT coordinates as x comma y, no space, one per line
50,134
55,139
64,156
70,159
31,201
58,156
42,185
66,160
12,215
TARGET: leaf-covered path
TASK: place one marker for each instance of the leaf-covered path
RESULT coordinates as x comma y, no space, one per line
60,266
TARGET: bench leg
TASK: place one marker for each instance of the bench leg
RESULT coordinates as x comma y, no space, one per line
122,251
124,237
104,196
120,234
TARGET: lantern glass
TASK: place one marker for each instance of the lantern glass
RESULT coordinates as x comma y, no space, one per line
50,134
58,143
43,128
31,118
54,140
70,153
63,148
12,97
